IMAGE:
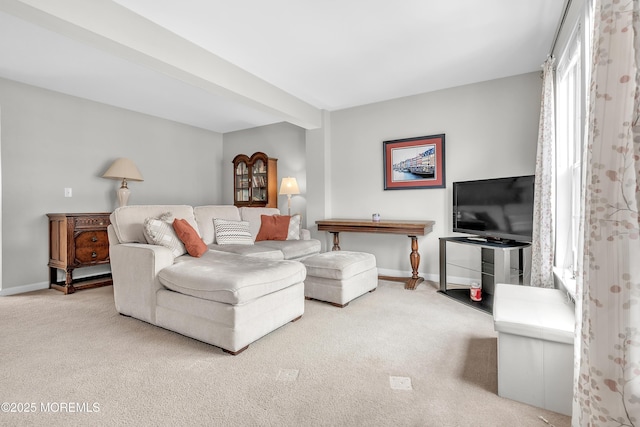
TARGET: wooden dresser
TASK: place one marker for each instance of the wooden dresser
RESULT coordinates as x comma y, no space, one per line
77,240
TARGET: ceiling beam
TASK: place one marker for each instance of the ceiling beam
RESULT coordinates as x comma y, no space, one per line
112,28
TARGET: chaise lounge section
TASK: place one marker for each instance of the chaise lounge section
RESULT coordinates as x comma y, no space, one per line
230,296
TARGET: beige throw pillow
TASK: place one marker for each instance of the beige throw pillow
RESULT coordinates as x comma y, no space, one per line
159,231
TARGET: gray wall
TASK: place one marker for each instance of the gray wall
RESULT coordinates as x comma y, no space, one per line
283,141
51,141
491,131
490,128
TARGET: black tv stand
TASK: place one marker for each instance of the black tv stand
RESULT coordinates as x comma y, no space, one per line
490,262
492,242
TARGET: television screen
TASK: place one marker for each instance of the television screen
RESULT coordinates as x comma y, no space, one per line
498,209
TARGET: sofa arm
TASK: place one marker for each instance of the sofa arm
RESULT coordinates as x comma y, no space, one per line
135,268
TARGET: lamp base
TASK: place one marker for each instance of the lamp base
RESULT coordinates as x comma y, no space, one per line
123,194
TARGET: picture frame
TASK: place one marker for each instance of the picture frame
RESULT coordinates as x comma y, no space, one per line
413,163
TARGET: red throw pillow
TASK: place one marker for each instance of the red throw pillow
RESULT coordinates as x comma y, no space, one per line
189,236
273,227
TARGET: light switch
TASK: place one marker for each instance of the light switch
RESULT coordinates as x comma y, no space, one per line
67,192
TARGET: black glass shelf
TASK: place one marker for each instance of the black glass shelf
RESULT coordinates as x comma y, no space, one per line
462,295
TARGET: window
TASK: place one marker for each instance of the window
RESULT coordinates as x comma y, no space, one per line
568,138
572,80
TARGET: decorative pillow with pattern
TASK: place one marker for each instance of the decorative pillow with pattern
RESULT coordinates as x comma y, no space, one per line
229,232
294,227
159,231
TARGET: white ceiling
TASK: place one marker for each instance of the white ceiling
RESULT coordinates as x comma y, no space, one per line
230,65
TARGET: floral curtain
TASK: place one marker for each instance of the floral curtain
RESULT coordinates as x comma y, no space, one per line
607,386
542,254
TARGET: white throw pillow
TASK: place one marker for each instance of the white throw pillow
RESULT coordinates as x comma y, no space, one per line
159,231
294,227
230,232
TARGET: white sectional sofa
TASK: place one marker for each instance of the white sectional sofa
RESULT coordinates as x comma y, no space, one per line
229,297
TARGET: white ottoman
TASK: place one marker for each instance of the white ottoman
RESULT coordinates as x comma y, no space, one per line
338,277
535,345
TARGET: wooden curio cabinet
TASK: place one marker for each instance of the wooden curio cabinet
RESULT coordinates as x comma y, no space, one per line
255,180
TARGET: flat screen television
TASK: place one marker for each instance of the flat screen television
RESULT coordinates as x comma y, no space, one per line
499,209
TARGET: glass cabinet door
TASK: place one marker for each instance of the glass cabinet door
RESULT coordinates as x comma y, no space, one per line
242,182
259,181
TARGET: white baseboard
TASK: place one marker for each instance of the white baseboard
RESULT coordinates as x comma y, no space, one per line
44,285
400,273
465,281
24,288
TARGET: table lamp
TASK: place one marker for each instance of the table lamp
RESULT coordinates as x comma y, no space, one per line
124,169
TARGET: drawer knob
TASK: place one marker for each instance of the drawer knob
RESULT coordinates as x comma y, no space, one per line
94,239
93,254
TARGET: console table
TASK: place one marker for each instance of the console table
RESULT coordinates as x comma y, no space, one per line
412,229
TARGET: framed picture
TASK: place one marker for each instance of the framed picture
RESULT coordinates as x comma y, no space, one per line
414,163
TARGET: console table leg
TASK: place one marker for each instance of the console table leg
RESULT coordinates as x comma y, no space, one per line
414,257
336,241
68,282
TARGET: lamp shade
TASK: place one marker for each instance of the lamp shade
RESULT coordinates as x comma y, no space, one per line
289,186
123,168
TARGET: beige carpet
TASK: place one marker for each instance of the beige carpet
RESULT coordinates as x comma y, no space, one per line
73,360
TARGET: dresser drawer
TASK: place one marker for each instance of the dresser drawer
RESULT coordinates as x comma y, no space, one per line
92,239
92,247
